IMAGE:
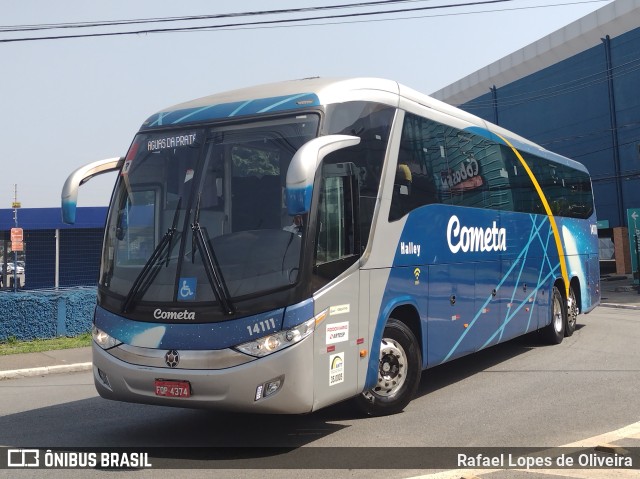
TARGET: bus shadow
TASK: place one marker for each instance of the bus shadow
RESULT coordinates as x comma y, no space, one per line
462,368
99,423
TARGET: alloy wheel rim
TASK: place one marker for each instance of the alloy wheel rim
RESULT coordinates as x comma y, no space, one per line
573,310
392,368
557,315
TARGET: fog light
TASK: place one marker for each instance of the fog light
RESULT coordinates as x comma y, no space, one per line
272,387
269,388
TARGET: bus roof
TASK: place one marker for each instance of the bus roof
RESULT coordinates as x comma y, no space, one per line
281,96
308,92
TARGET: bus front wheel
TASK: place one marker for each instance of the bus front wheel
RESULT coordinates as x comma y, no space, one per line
399,370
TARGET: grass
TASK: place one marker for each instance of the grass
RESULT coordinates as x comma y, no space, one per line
12,346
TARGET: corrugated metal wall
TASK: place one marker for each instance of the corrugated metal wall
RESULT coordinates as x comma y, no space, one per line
569,108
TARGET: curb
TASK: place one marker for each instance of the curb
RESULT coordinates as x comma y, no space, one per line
45,370
619,306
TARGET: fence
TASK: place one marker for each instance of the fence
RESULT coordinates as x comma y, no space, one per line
57,273
54,258
55,255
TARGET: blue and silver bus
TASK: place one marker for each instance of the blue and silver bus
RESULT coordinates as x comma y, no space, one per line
281,248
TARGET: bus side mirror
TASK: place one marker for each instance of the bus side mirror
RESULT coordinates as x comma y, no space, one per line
69,197
304,164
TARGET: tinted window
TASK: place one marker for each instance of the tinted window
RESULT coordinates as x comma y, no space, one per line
441,164
229,182
372,123
568,191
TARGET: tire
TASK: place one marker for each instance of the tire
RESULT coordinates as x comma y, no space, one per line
554,332
399,372
572,313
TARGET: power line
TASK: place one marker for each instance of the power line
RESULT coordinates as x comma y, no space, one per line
90,24
415,17
287,22
263,22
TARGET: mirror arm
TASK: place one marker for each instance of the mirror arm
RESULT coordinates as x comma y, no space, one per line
303,168
69,196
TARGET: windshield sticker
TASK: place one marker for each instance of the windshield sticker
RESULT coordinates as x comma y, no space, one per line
188,175
171,142
126,167
131,154
337,332
336,369
187,290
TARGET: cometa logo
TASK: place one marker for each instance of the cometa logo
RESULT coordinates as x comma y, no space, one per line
473,238
175,315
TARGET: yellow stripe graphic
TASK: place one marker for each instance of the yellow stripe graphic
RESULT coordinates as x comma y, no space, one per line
547,208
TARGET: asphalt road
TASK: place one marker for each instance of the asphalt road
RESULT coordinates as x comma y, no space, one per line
521,393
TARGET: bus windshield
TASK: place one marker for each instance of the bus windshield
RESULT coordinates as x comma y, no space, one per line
199,215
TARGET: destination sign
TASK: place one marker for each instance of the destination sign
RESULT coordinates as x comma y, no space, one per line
176,141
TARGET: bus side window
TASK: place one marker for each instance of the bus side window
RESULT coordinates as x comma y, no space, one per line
414,184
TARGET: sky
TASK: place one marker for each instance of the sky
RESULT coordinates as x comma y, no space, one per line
68,102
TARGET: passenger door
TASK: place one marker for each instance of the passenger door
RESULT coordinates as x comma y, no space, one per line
336,263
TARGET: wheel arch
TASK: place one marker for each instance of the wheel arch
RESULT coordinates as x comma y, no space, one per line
408,314
575,285
404,309
560,284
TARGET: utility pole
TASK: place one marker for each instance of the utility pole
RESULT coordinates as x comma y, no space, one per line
16,237
636,238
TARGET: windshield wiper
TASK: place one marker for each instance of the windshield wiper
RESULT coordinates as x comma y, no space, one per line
211,266
152,267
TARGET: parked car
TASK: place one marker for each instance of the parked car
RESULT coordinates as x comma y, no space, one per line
10,268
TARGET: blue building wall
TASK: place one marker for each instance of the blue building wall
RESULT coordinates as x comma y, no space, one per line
80,245
568,108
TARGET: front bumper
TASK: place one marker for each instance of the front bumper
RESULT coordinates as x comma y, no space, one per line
232,388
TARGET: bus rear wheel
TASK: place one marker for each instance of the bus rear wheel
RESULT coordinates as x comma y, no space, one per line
572,313
399,370
554,332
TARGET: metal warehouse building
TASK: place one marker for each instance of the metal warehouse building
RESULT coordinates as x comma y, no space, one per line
575,92
55,254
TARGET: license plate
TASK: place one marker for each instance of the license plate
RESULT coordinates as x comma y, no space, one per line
173,389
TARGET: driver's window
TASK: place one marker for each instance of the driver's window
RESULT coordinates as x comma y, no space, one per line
332,241
337,237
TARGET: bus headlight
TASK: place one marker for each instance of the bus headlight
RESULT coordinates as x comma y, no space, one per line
103,340
277,341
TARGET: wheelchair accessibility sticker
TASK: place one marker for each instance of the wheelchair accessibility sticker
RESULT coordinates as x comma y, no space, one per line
187,289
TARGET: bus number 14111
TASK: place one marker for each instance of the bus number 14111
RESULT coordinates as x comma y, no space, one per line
262,326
